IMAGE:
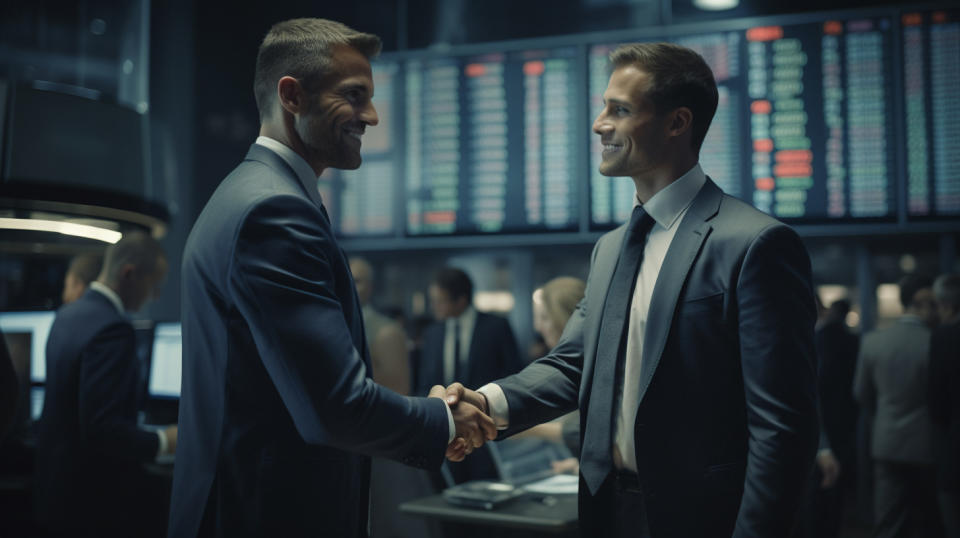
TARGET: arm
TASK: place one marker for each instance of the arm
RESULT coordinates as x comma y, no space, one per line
283,281
107,395
776,319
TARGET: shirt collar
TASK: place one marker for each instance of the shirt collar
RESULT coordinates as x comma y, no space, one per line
300,166
111,295
668,204
465,318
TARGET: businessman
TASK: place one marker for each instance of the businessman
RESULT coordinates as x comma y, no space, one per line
691,355
89,477
278,413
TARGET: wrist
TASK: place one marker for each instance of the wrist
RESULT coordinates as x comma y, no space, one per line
486,404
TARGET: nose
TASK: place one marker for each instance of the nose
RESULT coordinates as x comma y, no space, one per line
369,115
601,125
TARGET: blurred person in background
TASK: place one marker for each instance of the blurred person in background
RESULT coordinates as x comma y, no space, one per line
90,450
83,270
944,399
385,336
891,383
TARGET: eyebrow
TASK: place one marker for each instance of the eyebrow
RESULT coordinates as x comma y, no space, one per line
356,86
616,101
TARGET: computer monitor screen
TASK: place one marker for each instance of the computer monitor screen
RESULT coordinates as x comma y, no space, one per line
34,328
165,362
36,403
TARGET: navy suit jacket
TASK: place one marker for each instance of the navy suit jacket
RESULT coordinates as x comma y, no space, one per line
726,427
493,354
89,447
278,413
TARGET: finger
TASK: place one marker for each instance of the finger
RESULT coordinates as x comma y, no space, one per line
454,393
437,391
487,426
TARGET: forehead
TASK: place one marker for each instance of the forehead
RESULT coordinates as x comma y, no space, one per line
628,84
349,66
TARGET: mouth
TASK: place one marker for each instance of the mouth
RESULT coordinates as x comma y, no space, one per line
609,148
353,133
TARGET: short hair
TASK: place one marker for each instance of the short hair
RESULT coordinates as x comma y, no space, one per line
839,309
679,78
134,248
946,289
302,49
560,297
85,267
910,285
455,282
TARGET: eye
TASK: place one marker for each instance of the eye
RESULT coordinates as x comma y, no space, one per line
620,111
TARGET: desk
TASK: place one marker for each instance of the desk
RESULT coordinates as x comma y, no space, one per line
528,512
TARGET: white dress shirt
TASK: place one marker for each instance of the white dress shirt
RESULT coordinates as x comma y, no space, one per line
467,321
308,177
163,446
667,207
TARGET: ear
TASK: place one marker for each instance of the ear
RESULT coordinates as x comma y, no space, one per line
681,121
290,95
126,272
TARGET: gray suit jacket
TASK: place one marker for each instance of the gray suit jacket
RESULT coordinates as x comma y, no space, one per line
891,383
726,426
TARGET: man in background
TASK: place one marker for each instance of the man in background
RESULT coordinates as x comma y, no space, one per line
386,337
83,269
944,399
90,451
891,383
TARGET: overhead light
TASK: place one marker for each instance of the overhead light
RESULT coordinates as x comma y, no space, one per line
716,5
61,227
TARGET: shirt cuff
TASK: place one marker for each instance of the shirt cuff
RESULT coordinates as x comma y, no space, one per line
453,425
163,446
497,405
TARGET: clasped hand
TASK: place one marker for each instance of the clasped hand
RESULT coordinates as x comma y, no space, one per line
471,417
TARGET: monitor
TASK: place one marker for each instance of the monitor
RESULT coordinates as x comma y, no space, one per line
29,329
931,104
36,403
165,362
489,142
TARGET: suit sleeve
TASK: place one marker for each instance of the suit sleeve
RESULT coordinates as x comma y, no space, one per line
776,320
107,396
550,386
283,283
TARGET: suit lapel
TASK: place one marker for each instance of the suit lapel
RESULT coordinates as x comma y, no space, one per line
605,261
686,244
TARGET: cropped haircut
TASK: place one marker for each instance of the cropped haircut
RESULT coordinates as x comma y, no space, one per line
302,49
679,78
85,267
910,285
946,289
135,248
455,282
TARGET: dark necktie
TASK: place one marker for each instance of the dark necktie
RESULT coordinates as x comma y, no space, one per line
595,458
457,371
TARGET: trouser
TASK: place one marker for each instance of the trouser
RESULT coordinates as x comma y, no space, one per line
905,499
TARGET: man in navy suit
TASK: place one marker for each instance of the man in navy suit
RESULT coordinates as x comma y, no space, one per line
278,414
691,356
464,345
89,448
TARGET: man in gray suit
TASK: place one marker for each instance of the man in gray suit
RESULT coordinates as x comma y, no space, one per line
891,384
691,355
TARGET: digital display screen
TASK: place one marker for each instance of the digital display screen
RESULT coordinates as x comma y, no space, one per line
34,328
931,78
803,127
166,362
489,143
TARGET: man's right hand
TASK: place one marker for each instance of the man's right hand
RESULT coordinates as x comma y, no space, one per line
473,426
457,394
171,434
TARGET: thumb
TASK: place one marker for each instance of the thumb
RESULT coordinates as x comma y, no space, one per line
454,393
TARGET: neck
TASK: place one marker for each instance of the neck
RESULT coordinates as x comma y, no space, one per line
283,131
660,178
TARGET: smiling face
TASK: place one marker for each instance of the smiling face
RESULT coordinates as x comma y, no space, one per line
632,133
339,112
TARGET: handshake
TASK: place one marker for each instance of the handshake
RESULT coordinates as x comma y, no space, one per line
471,416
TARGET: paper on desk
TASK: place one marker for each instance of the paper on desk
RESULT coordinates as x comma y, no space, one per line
555,485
